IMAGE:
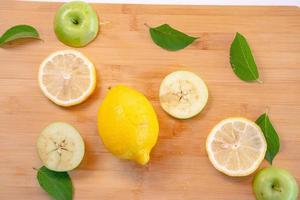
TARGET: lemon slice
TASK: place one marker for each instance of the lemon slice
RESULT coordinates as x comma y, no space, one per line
236,146
67,77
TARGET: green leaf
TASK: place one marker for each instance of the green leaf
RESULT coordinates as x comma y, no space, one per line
271,136
241,59
170,39
17,32
57,184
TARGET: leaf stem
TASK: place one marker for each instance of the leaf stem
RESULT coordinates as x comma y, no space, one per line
267,111
259,81
147,25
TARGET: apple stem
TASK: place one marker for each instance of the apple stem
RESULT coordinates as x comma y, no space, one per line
104,23
74,21
276,188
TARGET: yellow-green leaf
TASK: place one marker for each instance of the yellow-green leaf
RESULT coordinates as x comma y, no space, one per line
17,32
242,60
57,184
169,38
271,136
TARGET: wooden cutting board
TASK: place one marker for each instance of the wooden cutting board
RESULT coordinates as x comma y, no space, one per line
124,53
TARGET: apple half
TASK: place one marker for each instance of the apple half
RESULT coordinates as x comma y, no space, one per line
76,24
274,183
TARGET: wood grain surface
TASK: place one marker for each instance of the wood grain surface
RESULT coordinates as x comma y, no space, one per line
124,53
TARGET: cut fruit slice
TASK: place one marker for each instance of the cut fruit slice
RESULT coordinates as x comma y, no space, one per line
60,147
67,77
183,94
236,146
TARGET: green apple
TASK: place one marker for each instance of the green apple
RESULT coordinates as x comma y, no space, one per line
275,184
76,23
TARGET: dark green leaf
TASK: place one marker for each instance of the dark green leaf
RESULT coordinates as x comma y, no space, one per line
17,32
271,136
241,59
57,184
170,39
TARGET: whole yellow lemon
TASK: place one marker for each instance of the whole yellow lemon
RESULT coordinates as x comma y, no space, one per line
128,124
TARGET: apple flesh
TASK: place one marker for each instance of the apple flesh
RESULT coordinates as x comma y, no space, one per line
76,24
275,184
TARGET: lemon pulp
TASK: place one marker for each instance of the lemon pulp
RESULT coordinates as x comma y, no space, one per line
236,146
